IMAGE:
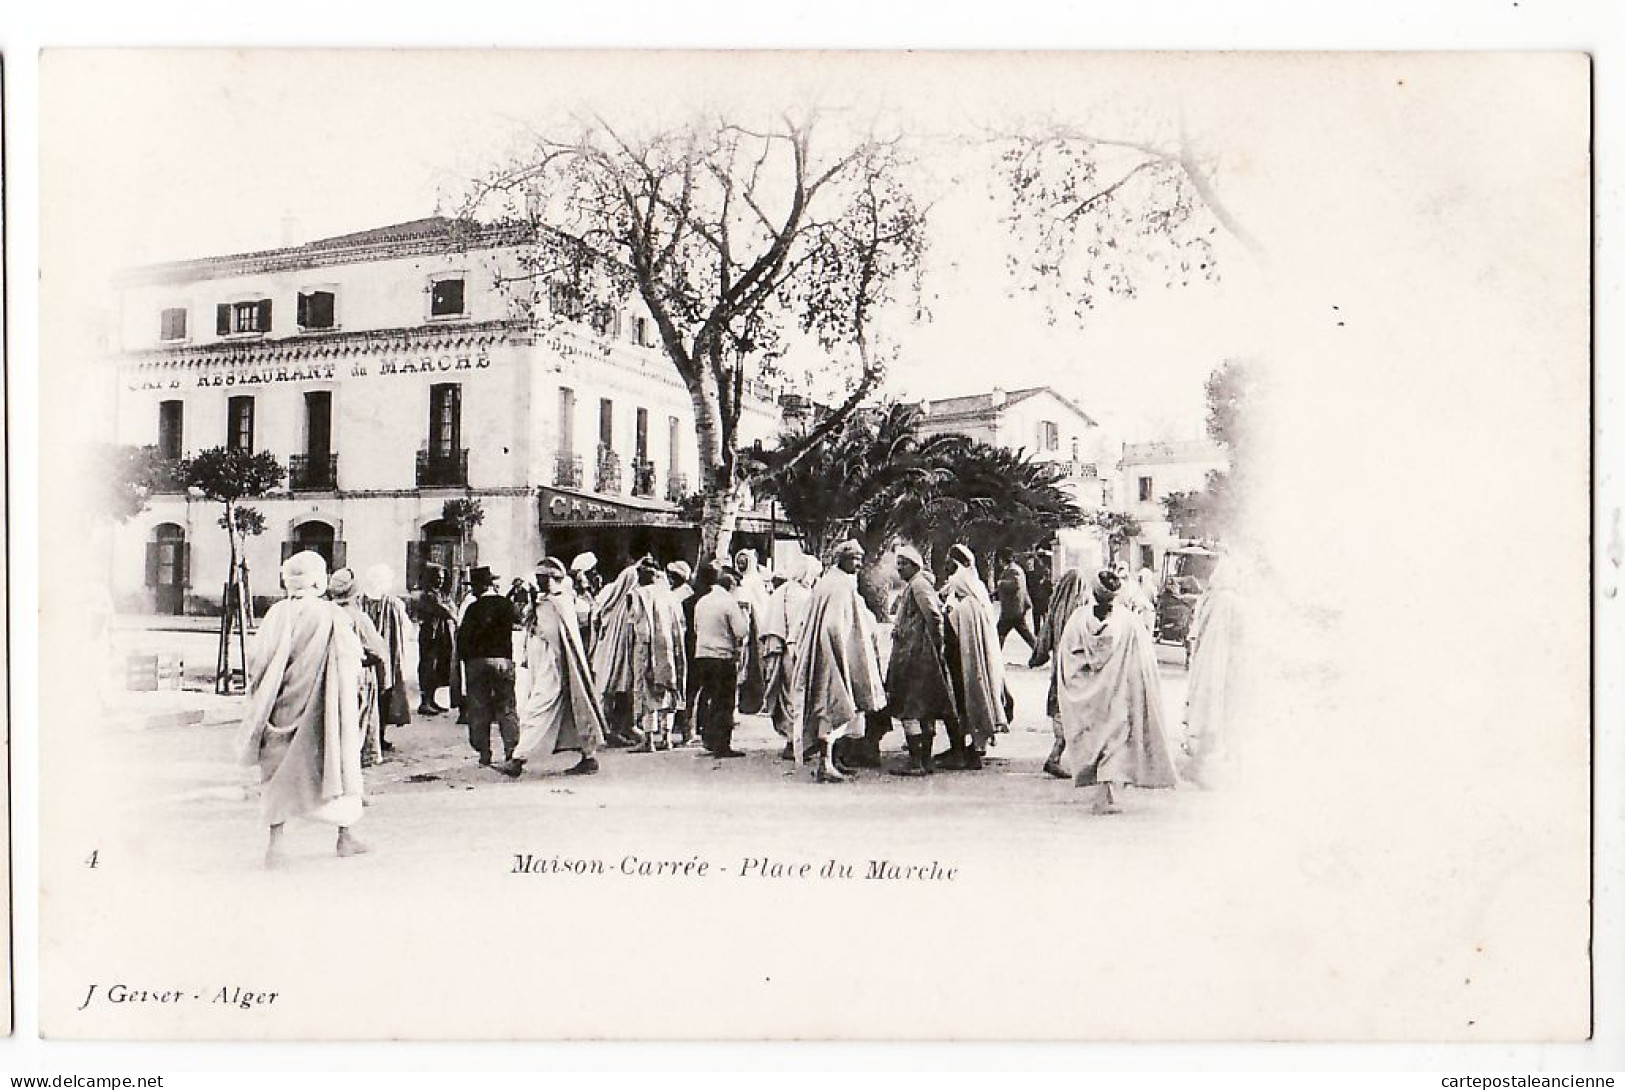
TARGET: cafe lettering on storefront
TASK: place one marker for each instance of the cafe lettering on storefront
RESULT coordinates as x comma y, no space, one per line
616,531
320,372
390,375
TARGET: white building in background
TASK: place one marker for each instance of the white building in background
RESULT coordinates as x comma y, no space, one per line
391,371
1050,427
1150,472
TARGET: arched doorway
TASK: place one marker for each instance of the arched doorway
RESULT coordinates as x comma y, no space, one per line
169,567
316,537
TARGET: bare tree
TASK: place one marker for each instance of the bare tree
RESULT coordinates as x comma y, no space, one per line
1092,213
734,238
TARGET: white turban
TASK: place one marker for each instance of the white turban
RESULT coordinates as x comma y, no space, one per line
304,575
377,581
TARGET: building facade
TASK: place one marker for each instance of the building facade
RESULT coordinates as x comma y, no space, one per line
1050,427
1149,473
391,371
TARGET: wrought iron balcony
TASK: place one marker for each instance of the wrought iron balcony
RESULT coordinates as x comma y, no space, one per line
609,471
643,477
313,473
676,487
567,470
443,468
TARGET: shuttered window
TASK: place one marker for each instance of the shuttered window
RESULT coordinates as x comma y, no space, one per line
315,310
172,324
445,419
171,416
249,316
240,424
446,297
567,420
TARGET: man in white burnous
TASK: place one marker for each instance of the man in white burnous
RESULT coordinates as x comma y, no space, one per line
560,710
836,675
302,722
1111,700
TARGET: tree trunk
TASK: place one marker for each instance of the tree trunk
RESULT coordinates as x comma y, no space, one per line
231,562
718,518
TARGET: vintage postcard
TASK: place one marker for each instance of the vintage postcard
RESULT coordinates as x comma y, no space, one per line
797,546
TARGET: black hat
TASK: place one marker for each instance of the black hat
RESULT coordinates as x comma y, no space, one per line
482,577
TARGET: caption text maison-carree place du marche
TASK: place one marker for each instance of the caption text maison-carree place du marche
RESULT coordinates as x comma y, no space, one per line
750,868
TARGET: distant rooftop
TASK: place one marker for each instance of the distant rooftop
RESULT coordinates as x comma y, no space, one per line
1184,450
973,405
431,234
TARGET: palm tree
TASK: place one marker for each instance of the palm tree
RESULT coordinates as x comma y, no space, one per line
850,485
879,480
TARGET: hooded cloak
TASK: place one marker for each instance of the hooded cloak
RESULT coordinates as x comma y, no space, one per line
1214,632
1111,701
560,709
836,675
975,662
302,721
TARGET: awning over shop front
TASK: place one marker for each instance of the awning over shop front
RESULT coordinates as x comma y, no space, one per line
567,507
766,524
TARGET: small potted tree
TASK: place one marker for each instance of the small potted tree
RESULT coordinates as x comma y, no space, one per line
228,476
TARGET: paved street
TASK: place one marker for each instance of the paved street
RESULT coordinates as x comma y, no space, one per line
431,804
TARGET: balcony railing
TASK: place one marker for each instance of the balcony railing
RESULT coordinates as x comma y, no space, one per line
443,468
676,487
567,470
609,471
643,478
313,473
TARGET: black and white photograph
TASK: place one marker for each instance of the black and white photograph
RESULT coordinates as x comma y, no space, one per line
814,546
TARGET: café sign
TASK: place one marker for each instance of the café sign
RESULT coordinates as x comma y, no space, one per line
566,507
322,372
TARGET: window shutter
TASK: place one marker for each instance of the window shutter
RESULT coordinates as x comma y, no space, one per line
341,555
152,563
456,394
414,564
186,565
302,310
288,548
321,309
264,323
222,319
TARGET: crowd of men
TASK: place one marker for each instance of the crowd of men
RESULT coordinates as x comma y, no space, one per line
663,657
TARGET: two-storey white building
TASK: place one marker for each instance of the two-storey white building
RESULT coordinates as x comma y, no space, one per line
1151,472
392,370
1050,427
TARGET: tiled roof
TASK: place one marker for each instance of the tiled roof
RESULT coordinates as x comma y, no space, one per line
947,408
431,234
1191,450
427,227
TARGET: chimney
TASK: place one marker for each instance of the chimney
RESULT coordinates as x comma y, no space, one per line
997,397
925,407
